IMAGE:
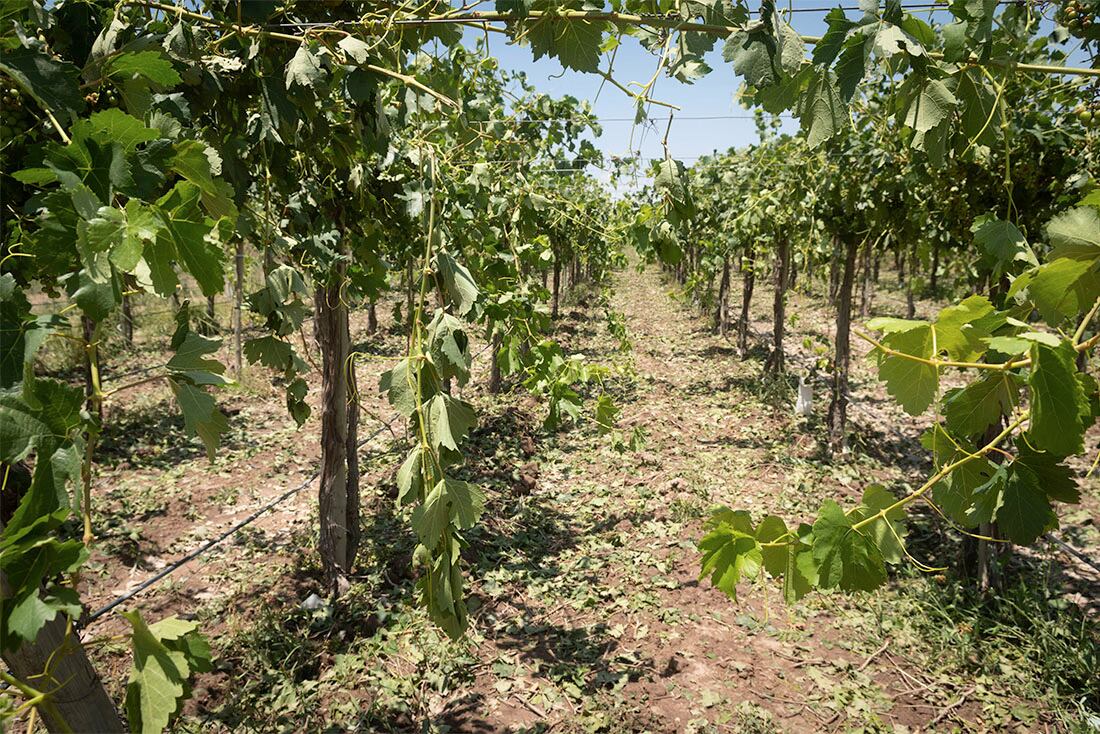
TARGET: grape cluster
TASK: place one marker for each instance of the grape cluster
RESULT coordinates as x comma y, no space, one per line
1088,113
15,118
103,99
1087,110
1079,16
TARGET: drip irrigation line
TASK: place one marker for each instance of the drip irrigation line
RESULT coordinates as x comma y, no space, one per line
233,529
176,565
1072,551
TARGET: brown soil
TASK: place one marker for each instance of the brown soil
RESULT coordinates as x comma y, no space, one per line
618,590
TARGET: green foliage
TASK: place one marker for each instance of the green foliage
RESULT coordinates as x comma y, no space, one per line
170,138
166,654
1058,405
912,383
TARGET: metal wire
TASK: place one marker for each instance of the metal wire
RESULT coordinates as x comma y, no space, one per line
645,16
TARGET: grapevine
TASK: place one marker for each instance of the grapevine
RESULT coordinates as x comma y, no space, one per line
367,152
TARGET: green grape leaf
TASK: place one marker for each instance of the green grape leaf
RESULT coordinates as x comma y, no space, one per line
913,384
356,49
149,65
27,427
831,43
822,113
1054,287
21,333
399,385
115,125
1057,400
1025,512
1075,234
29,613
185,232
54,472
305,69
449,420
449,347
108,238
607,414
575,44
296,405
981,112
53,83
1053,477
852,66
962,329
846,558
672,181
730,551
891,40
410,482
971,410
752,54
451,501
159,257
190,362
192,160
1010,346
95,297
770,530
269,351
887,531
158,681
458,284
932,105
201,416
29,558
971,495
1002,244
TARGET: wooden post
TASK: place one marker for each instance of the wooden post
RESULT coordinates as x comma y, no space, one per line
748,282
838,407
495,378
723,298
238,311
775,363
554,310
339,492
82,703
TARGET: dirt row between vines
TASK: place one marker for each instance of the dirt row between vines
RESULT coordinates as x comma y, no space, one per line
587,611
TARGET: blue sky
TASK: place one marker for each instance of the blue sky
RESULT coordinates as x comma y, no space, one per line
713,96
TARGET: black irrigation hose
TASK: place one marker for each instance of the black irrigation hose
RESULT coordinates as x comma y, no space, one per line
1072,551
175,566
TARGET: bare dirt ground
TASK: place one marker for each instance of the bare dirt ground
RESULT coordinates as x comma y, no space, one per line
587,613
